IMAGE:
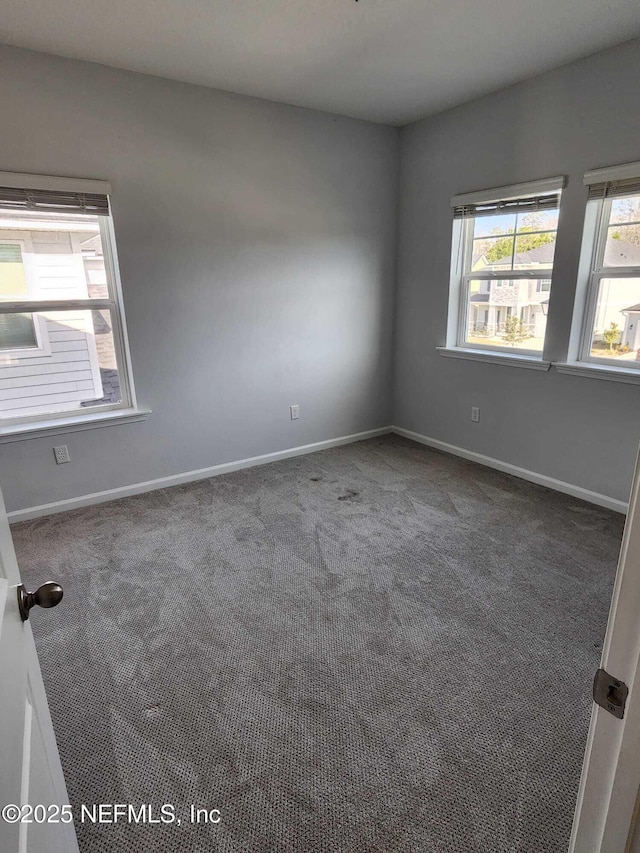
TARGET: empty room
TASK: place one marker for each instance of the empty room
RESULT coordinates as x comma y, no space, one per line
319,426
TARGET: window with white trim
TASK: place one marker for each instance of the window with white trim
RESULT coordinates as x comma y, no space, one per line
502,267
62,333
17,331
608,293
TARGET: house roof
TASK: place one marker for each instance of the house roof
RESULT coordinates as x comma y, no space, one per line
542,256
617,253
621,253
631,309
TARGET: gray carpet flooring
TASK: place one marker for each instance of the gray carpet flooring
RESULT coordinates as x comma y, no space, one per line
374,648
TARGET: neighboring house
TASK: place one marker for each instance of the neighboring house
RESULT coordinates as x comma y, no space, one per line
619,253
631,332
493,302
617,294
53,361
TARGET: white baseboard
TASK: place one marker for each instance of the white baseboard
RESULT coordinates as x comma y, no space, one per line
187,476
228,467
516,471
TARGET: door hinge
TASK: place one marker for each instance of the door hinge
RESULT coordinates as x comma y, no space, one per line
610,693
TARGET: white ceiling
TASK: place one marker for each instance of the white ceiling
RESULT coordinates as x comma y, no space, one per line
389,61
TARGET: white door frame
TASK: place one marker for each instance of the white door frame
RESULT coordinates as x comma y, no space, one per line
605,809
30,769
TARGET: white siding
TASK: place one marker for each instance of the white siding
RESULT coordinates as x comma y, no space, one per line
64,372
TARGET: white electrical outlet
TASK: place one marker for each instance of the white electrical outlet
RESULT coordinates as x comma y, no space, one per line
475,414
295,412
62,454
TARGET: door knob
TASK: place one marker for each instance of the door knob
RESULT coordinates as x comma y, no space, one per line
47,595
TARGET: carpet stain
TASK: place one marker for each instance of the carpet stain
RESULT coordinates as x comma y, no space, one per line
350,495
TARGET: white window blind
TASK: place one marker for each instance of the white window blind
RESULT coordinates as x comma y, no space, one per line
614,189
53,201
514,205
613,181
516,198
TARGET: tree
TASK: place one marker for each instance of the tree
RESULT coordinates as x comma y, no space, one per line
626,210
515,331
524,243
611,335
527,238
499,249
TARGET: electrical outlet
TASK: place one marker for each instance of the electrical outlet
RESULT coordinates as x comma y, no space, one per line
61,454
295,412
475,414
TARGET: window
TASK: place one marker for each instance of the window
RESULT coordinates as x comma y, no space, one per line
62,343
608,295
17,331
502,267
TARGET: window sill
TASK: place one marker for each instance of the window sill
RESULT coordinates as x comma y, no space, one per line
506,359
599,371
72,423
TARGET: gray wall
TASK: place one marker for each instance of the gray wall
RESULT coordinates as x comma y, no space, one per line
257,254
582,116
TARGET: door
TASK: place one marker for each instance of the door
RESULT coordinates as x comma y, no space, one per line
604,819
30,770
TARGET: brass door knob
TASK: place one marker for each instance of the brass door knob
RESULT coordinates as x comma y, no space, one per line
47,595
